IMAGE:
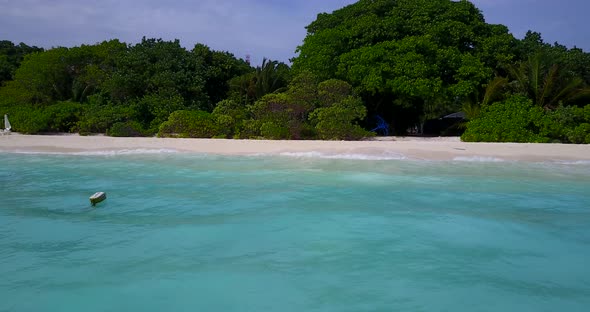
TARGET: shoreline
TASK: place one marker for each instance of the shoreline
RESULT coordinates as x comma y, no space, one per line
447,148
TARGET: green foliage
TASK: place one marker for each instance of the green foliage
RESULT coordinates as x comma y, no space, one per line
126,129
144,83
407,67
303,90
307,109
250,129
580,134
333,91
542,79
230,108
407,58
226,125
518,120
217,69
64,116
483,96
274,107
153,109
14,94
189,124
271,130
338,121
11,56
271,76
567,124
229,117
63,74
514,120
27,119
100,115
30,119
573,61
281,109
44,76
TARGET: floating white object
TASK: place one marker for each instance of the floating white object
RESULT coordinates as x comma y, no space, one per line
97,198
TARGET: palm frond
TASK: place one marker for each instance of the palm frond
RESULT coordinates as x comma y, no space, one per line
548,83
493,89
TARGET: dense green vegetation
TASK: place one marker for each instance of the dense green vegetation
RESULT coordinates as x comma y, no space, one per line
408,61
11,56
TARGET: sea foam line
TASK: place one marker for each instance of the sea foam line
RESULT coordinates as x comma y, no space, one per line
139,151
478,159
573,162
346,156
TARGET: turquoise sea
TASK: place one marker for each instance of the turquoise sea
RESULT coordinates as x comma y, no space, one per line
183,232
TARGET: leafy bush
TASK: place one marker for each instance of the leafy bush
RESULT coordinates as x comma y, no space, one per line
189,124
64,116
126,129
270,130
250,129
282,109
274,107
229,117
333,91
153,109
226,125
230,108
98,119
100,115
514,120
27,119
580,134
338,122
303,90
560,122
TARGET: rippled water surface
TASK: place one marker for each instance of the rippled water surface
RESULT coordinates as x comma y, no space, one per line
206,233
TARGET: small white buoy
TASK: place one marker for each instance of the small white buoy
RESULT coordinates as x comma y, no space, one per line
97,198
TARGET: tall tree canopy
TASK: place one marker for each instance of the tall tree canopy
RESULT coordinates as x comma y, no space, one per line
409,59
143,83
11,56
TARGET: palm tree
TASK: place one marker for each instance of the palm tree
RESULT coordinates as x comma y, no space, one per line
493,91
270,77
545,83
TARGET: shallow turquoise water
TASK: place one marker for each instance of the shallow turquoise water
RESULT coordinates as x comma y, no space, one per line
206,233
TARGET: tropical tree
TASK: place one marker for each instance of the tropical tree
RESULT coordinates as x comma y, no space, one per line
271,76
545,83
216,69
484,96
11,56
408,59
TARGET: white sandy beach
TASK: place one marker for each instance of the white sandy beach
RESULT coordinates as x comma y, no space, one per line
383,148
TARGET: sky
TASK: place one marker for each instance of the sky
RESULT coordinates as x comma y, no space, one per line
260,28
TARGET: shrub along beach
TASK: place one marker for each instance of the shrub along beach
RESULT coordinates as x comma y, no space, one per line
409,63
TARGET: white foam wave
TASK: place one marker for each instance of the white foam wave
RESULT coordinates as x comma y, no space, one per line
352,156
139,151
478,159
573,162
